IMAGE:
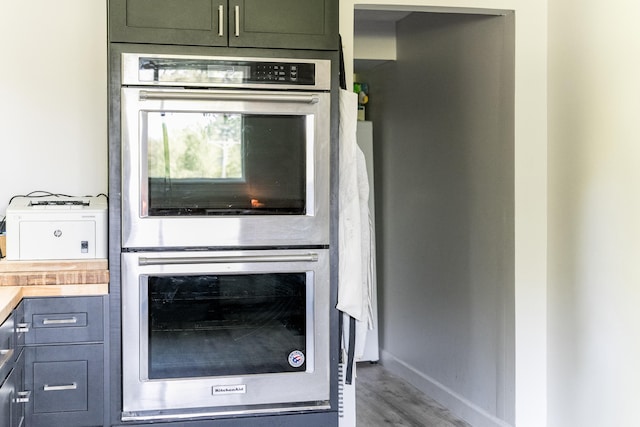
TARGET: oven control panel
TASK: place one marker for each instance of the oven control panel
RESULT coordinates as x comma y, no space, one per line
283,72
174,70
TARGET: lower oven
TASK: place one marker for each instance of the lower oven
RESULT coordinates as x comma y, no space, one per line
224,332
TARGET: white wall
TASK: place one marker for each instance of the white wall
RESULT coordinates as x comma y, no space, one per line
53,97
594,213
530,183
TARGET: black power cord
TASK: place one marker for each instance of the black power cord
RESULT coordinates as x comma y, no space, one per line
42,193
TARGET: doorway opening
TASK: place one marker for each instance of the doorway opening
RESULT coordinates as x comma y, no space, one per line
441,103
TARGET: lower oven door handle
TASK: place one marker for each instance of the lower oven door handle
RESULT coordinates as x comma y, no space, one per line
302,98
308,257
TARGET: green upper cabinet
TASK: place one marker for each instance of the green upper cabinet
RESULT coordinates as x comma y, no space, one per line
287,24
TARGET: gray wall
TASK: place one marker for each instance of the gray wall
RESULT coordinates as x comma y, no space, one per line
444,170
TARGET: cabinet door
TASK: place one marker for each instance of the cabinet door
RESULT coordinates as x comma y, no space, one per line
12,408
20,398
21,326
179,22
7,347
67,384
7,391
288,24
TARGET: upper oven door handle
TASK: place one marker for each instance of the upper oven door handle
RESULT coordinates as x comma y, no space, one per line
209,95
221,259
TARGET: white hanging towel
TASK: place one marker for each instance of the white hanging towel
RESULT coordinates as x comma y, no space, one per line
354,278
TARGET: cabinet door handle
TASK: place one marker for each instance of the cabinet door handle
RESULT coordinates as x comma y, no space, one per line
22,327
220,20
23,397
72,386
68,321
237,21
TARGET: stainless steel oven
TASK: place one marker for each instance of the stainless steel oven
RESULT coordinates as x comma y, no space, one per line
224,332
224,266
224,152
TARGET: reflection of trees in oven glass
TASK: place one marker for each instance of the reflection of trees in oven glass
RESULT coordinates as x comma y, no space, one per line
227,301
194,145
214,324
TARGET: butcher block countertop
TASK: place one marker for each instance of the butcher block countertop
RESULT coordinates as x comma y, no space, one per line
19,279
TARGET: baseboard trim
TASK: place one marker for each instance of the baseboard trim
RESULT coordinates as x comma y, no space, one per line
455,403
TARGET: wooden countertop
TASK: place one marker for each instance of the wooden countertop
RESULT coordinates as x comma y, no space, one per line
19,279
62,272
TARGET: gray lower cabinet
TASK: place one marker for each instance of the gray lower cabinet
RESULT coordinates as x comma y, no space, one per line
64,361
12,395
67,385
8,351
13,398
286,24
7,391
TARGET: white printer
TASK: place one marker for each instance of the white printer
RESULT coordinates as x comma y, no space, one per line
56,228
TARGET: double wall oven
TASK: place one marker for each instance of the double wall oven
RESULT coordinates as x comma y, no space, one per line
225,271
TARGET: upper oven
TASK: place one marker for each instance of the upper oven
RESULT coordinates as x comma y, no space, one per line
224,152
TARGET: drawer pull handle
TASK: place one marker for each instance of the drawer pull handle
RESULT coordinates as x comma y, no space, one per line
23,397
22,327
72,386
69,321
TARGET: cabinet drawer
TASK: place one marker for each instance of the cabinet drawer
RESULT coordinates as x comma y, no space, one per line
63,320
67,385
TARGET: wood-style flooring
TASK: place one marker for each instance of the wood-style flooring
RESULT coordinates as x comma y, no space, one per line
383,399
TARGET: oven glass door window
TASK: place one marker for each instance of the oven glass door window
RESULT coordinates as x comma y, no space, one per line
207,163
236,324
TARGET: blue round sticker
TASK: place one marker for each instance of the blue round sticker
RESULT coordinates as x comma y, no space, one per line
296,358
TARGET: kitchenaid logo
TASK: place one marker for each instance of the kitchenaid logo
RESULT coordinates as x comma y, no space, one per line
229,389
